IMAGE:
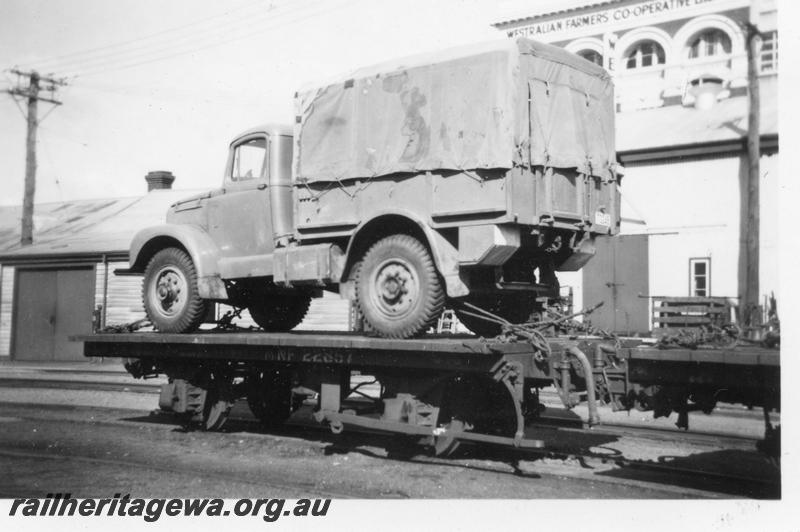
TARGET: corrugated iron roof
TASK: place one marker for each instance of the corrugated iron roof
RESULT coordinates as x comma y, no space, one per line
85,227
677,125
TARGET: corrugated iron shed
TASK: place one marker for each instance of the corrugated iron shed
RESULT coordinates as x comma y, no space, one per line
83,229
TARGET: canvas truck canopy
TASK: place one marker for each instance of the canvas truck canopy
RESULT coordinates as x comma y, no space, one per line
494,105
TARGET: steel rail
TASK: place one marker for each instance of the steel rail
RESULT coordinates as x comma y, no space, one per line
85,385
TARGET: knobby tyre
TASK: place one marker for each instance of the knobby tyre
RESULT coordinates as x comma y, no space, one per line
398,290
169,292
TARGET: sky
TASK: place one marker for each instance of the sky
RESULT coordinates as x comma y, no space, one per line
155,85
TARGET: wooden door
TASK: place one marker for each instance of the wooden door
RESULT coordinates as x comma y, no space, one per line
618,276
74,305
35,315
51,306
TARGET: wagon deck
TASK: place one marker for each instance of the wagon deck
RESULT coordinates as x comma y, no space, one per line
444,388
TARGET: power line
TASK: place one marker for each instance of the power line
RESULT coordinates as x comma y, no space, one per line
130,58
148,56
91,51
240,37
155,45
147,49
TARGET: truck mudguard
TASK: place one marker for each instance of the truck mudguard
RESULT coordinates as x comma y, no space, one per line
201,248
445,254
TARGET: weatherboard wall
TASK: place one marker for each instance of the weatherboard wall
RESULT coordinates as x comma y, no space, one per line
6,306
123,295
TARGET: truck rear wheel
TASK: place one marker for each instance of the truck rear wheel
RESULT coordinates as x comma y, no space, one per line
171,300
398,289
513,308
279,312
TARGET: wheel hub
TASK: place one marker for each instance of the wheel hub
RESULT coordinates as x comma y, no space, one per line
393,284
396,287
169,287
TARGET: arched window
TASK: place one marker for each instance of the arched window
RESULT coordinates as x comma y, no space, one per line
592,56
710,43
645,54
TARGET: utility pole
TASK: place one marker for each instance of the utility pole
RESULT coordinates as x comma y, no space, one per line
31,93
750,301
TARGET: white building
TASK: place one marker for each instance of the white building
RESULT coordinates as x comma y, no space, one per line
680,70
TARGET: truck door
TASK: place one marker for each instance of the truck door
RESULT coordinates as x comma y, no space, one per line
239,218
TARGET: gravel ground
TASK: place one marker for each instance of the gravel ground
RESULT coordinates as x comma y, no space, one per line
95,443
94,452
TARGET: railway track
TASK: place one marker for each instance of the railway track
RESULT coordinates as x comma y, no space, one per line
625,471
154,386
556,461
696,437
552,463
593,465
676,468
87,385
602,460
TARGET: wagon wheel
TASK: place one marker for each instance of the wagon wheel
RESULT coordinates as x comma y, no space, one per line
215,413
447,444
216,401
474,403
269,396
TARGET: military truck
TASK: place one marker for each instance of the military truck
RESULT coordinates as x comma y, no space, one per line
471,175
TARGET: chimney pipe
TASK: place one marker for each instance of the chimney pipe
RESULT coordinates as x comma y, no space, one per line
159,180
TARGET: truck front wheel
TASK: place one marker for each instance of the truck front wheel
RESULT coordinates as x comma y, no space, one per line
169,292
398,289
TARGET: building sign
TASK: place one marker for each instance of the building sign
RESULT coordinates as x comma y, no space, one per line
601,18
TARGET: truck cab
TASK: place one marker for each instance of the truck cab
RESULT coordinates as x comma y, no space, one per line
253,208
219,246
